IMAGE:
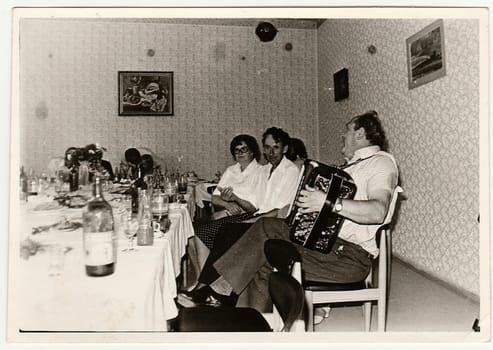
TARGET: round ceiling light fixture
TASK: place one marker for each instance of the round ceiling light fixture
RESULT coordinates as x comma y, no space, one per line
266,31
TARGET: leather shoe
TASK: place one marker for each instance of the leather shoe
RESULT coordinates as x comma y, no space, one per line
206,296
199,296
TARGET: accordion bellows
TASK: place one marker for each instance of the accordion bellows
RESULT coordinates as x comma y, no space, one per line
318,230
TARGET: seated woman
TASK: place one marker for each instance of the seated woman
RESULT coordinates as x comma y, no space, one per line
236,192
297,152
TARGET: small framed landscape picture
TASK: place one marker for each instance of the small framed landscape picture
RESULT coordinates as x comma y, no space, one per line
426,55
145,93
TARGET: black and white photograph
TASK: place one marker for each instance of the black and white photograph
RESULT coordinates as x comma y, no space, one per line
248,175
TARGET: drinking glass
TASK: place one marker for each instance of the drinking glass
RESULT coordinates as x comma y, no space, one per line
130,228
171,188
56,259
182,184
84,175
159,210
126,205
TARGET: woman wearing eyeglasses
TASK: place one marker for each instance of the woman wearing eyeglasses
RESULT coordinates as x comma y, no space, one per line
236,192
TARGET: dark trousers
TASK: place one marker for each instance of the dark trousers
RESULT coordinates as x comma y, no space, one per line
227,235
244,264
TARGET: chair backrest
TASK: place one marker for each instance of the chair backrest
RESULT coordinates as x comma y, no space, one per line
393,202
281,254
288,297
382,238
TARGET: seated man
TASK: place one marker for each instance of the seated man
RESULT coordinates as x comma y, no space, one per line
375,174
130,165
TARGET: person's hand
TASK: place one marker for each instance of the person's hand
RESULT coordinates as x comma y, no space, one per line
227,194
310,200
233,208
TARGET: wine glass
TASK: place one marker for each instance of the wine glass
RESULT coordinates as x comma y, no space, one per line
130,228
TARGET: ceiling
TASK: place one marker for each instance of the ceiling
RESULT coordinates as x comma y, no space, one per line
294,23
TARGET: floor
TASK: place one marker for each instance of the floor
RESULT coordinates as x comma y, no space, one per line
415,304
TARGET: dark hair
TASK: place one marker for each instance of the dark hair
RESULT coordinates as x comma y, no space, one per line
373,128
132,155
72,157
147,163
147,158
250,141
91,152
277,134
296,150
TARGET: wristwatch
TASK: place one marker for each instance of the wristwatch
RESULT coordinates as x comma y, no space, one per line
338,205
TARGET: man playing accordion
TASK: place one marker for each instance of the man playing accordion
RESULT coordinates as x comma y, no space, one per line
375,174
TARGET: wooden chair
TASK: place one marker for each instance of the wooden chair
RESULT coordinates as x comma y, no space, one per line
364,291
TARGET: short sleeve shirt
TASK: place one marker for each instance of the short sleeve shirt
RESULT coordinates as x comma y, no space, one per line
376,170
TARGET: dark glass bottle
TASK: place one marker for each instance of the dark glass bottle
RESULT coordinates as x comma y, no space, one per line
74,178
98,234
23,185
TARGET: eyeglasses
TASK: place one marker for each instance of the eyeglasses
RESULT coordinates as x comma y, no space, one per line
241,150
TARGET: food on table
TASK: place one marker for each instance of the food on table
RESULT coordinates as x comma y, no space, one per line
47,206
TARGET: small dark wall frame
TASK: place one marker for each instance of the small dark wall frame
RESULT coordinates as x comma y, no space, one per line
341,85
145,93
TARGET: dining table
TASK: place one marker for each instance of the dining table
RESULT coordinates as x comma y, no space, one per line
51,292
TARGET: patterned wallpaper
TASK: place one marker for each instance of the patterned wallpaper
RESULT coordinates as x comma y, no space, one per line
226,82
69,97
433,132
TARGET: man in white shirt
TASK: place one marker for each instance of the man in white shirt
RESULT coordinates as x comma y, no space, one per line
276,191
279,178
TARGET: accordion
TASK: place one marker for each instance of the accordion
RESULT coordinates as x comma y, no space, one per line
318,230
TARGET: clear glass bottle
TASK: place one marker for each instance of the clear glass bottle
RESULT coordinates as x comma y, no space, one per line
32,183
98,234
145,235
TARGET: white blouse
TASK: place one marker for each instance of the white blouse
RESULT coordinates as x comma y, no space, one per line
244,183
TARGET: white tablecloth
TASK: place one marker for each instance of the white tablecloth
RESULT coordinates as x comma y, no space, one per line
201,193
138,296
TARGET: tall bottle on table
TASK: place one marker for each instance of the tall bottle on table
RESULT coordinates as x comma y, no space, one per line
98,234
145,235
23,184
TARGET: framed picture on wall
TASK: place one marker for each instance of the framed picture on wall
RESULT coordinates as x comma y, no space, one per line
341,85
145,93
426,55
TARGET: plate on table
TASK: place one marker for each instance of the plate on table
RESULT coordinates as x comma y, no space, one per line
77,202
48,208
121,189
